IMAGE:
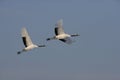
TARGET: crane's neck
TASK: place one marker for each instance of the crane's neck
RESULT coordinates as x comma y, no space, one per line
74,35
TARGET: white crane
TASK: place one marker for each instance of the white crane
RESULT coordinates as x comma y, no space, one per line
60,34
27,42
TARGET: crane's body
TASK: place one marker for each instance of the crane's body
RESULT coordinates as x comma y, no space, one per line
27,41
60,34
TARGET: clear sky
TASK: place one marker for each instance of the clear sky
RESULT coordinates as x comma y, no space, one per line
93,56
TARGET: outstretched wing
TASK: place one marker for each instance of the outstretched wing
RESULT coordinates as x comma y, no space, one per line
66,40
59,27
26,38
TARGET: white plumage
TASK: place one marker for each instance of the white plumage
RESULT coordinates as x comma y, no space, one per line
27,41
60,34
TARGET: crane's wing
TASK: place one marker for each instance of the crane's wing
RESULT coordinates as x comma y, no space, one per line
59,27
66,40
26,38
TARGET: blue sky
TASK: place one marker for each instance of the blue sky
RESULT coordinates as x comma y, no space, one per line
93,56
